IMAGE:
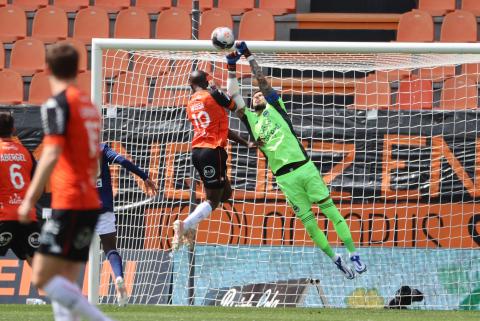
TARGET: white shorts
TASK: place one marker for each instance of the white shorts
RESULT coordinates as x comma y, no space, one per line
106,224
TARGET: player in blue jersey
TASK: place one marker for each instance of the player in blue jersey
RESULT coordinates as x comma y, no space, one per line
106,223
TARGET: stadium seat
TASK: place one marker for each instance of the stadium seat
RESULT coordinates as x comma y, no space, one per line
84,81
150,66
471,5
85,19
71,5
13,23
133,23
130,90
257,25
278,7
115,62
28,56
459,26
236,7
112,5
372,94
2,56
153,6
3,3
472,71
415,94
174,23
211,19
40,89
50,24
11,87
30,5
82,52
459,92
171,91
415,26
437,7
187,4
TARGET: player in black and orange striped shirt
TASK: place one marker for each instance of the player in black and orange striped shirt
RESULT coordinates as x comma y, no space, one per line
70,157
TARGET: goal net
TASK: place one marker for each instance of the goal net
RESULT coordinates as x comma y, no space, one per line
391,127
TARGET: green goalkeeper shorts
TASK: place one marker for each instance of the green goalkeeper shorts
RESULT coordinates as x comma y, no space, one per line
303,187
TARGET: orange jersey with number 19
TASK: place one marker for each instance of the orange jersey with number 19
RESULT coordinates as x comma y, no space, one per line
206,111
16,169
71,121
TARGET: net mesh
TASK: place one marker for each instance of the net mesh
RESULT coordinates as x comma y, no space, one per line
394,137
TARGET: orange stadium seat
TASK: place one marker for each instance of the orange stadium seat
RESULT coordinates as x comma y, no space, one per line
3,3
133,23
71,5
471,5
257,24
415,94
112,5
372,94
82,52
236,7
150,66
50,24
187,4
85,19
115,62
437,7
84,81
459,92
30,5
211,19
11,87
2,56
28,56
459,26
278,7
13,23
415,26
153,6
172,89
173,23
130,90
40,89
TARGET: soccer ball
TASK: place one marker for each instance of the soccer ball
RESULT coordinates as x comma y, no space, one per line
222,38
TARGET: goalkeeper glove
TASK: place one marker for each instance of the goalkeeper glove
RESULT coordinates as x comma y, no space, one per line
232,59
242,49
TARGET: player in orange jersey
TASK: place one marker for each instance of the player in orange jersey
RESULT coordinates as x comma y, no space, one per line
70,157
210,126
16,169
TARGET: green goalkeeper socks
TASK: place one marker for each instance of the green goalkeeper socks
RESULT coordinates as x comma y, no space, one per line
331,212
317,236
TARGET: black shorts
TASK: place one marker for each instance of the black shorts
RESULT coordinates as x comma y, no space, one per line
211,164
22,239
68,234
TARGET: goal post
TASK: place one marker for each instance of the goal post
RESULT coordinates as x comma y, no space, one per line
393,129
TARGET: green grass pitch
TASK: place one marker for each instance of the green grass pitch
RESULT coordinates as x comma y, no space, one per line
22,312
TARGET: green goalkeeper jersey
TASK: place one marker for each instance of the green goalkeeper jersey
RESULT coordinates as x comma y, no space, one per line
273,126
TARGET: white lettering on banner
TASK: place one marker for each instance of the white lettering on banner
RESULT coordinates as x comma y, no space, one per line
264,301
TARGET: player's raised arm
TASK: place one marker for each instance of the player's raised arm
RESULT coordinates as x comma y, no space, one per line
114,157
270,94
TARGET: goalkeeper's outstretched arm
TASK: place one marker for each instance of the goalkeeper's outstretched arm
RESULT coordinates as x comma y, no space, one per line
263,83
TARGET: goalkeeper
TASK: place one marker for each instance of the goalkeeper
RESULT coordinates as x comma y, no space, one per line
295,173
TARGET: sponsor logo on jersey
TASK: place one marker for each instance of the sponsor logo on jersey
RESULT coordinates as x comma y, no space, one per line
5,238
34,239
208,171
15,199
